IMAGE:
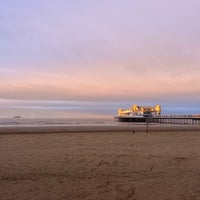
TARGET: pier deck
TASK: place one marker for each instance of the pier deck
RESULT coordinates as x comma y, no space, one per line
162,119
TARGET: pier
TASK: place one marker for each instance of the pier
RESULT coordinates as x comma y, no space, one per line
170,119
149,114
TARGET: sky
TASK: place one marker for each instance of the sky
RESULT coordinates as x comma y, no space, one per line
100,51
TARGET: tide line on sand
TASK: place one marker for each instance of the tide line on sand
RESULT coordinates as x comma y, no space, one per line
30,129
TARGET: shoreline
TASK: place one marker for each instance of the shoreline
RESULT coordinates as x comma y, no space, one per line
41,129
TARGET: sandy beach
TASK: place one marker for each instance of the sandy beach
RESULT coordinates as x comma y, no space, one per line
100,162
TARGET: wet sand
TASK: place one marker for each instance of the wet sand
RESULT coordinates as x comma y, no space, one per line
100,163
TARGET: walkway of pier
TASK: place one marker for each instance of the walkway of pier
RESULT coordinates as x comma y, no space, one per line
189,120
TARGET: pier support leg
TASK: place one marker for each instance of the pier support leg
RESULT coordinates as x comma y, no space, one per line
147,127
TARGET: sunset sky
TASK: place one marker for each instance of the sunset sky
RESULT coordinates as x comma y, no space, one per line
100,50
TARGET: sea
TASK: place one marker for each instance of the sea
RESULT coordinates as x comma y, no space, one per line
59,113
58,122
41,113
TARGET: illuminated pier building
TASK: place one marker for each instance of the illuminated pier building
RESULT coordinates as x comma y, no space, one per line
140,111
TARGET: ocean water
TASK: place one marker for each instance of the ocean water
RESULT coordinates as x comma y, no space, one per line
74,112
58,122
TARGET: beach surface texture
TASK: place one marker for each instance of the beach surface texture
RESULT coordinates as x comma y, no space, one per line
100,162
